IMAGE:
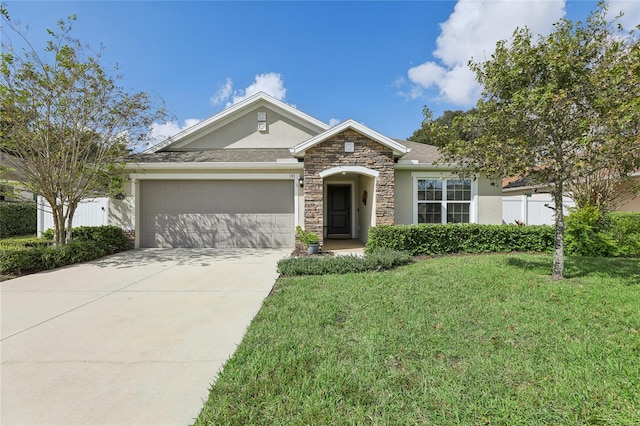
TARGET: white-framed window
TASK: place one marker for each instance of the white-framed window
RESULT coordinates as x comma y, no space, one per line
439,199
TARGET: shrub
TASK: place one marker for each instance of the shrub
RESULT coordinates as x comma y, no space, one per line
108,236
23,242
585,233
461,238
624,228
89,243
375,261
306,237
17,260
18,218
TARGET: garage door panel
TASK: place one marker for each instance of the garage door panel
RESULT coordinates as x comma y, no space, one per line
217,214
186,239
283,222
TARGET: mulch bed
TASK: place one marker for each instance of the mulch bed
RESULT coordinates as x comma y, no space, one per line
301,250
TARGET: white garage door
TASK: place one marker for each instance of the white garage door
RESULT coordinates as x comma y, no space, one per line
217,213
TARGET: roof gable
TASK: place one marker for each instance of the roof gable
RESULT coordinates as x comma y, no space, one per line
398,148
302,125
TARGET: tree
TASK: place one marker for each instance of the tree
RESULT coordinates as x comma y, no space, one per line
559,110
604,189
432,130
66,124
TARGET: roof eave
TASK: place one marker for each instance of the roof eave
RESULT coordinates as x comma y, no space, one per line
424,166
277,165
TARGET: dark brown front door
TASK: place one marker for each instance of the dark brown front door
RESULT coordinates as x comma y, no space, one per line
339,209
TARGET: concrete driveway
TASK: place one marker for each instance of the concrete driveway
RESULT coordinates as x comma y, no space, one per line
135,338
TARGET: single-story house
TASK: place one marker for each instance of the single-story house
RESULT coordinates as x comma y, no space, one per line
11,186
629,201
249,175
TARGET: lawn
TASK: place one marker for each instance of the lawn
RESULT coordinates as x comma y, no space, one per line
474,340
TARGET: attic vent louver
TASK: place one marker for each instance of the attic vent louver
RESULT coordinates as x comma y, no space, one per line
262,121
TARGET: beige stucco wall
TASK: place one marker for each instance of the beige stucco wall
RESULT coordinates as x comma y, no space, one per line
489,201
631,206
121,211
242,132
404,197
364,211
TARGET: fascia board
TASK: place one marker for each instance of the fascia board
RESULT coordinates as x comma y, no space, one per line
232,110
425,166
350,124
520,188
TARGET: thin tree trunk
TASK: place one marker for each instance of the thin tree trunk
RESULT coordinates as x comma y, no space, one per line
70,212
58,223
558,255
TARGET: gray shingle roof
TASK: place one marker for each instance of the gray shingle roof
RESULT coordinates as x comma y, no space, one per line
237,155
419,151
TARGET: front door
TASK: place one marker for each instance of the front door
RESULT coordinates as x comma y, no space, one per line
339,209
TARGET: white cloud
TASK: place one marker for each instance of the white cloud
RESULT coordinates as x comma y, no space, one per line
160,132
334,122
270,83
631,9
471,32
223,93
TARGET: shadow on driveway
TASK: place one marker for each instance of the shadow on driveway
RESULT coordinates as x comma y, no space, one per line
186,256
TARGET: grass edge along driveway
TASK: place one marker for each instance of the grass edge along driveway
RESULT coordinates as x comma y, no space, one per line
486,339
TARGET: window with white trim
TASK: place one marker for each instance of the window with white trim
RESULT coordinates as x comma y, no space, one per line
444,200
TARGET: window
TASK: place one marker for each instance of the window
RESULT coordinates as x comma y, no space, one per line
444,200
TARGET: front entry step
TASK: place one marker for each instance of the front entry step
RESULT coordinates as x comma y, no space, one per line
338,236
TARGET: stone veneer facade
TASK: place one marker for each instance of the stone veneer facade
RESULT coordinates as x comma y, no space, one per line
331,153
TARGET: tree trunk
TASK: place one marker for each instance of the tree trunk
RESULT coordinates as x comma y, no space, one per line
58,223
558,255
70,212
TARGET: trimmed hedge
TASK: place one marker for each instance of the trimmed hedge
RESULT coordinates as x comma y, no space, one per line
24,242
109,236
88,244
19,260
376,261
18,218
461,238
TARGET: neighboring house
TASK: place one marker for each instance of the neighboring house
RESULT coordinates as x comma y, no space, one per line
248,175
11,188
523,186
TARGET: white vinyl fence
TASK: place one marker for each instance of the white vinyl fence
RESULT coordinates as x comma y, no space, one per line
90,212
536,209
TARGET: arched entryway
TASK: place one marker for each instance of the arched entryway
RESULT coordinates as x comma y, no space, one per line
349,207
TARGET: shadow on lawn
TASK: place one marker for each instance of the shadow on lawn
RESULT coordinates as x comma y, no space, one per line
577,267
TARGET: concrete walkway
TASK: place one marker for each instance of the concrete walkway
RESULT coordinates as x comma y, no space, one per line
135,338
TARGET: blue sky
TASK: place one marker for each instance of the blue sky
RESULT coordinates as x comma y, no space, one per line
376,62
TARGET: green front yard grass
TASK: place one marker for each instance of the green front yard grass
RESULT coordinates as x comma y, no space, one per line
473,340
